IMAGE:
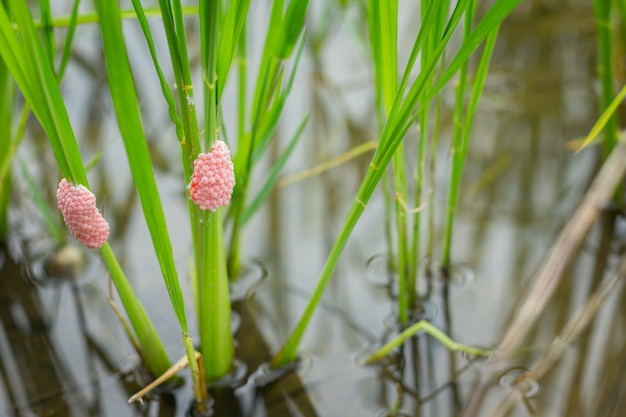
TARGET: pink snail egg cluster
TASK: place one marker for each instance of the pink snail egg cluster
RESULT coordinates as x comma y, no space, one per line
85,222
213,178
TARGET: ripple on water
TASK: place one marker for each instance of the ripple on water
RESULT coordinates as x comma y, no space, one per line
521,379
252,276
378,270
69,263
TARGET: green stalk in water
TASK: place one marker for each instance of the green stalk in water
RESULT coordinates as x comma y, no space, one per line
461,143
383,28
602,11
214,312
456,152
425,133
401,117
7,93
285,29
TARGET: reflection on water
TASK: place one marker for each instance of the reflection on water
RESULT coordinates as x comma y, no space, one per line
62,351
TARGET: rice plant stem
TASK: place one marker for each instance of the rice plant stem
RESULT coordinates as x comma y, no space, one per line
69,37
244,157
456,149
602,10
7,146
428,328
214,303
47,30
92,17
242,67
152,348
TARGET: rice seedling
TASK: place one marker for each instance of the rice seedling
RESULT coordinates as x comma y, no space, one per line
408,100
273,84
210,273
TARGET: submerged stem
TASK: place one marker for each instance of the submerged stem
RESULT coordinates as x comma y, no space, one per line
424,325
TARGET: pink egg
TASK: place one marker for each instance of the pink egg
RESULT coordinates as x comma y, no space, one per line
213,178
85,222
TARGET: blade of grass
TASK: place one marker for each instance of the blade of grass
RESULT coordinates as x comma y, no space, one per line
47,30
27,63
7,92
153,351
233,25
69,37
126,105
383,25
50,219
422,199
267,127
165,88
604,119
272,178
602,12
92,17
327,165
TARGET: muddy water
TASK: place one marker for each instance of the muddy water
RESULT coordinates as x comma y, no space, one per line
62,351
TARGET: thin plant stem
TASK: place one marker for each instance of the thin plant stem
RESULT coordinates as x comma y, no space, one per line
242,72
604,119
602,11
152,349
456,152
428,328
551,270
7,97
92,17
572,330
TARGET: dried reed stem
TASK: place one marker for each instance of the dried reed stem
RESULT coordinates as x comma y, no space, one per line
563,250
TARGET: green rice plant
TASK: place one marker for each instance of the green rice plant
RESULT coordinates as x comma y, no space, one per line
26,60
602,11
208,272
383,26
222,34
383,36
463,120
6,115
284,36
427,138
409,99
